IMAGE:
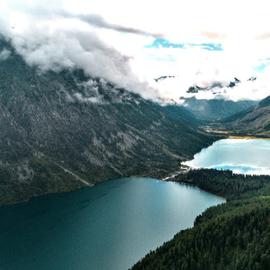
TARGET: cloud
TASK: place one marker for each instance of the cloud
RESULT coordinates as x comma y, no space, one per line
263,36
54,50
52,42
98,21
212,35
201,43
4,54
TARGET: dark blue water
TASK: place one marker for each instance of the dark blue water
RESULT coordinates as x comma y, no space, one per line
110,226
244,156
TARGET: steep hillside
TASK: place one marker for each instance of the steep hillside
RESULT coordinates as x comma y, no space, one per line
254,120
64,130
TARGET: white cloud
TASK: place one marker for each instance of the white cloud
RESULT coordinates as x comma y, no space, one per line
93,35
51,41
4,54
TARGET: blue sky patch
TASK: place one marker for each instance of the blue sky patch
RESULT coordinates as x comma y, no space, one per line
208,46
164,43
260,68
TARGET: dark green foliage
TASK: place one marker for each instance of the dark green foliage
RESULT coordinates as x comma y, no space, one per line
236,237
226,183
231,236
12,190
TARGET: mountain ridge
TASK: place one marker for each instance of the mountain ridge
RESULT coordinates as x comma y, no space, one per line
216,109
255,120
55,123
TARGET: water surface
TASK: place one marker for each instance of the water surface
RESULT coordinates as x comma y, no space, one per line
245,156
107,227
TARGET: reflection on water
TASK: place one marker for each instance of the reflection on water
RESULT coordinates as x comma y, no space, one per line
110,226
246,156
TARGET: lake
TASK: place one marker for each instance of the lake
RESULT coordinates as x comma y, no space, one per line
107,227
244,156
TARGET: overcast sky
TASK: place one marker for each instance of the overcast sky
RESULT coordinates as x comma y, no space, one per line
132,42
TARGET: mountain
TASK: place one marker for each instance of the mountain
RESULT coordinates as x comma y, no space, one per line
65,130
215,109
216,85
180,113
253,120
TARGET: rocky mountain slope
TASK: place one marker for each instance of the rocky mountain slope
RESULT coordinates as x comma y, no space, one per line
254,120
64,130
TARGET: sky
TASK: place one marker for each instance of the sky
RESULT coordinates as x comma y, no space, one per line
130,43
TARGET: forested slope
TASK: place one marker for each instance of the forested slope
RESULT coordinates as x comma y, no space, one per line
234,235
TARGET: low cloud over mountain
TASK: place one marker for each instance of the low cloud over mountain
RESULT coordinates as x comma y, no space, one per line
107,40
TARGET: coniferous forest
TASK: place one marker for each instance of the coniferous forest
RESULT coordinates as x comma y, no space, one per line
231,236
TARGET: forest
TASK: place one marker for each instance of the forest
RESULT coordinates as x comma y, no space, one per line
231,236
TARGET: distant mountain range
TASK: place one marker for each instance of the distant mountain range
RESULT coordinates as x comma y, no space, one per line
254,120
216,109
196,89
65,130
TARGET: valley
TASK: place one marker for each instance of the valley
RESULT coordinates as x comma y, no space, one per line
81,163
236,234
58,127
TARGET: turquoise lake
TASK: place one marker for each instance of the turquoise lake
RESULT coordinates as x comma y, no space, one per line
244,156
107,227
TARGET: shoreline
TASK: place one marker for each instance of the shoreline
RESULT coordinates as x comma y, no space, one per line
232,134
162,175
248,137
